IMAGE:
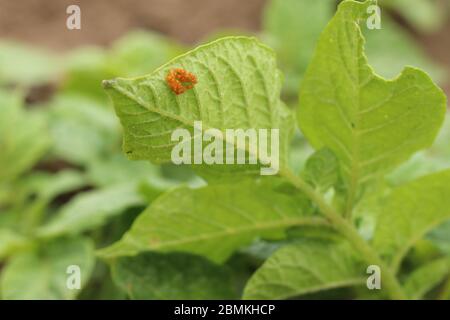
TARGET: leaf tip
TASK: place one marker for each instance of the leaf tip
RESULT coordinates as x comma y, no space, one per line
108,83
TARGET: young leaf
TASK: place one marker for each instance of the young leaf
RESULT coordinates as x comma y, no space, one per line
306,267
91,209
321,169
23,137
172,276
370,123
238,87
425,278
42,273
409,213
212,221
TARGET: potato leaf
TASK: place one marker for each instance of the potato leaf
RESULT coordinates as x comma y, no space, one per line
212,221
409,213
92,209
306,267
238,88
371,124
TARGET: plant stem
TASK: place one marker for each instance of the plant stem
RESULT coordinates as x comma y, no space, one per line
348,230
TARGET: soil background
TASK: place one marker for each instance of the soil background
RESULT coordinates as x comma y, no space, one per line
43,22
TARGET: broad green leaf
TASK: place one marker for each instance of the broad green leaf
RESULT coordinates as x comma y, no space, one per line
172,276
23,137
409,213
428,161
371,124
212,221
238,88
41,273
425,278
322,169
306,267
92,209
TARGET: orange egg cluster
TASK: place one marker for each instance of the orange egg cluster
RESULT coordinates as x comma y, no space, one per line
180,80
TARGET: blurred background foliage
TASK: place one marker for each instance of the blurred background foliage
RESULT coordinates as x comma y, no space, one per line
65,186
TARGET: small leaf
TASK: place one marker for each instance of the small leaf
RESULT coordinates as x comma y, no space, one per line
41,273
409,213
212,221
172,276
321,169
91,209
371,124
306,267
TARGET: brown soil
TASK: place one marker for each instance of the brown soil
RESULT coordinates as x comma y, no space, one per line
42,23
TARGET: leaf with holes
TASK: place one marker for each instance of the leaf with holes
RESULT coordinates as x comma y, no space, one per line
372,124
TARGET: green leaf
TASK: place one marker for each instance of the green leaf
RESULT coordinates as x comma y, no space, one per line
212,221
371,124
409,213
306,267
172,276
92,209
321,169
238,88
26,65
82,129
41,273
23,137
425,278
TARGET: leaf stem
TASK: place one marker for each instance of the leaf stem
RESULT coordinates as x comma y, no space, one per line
345,227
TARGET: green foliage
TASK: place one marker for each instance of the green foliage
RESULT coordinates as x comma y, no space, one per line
306,267
27,274
212,221
371,124
19,152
